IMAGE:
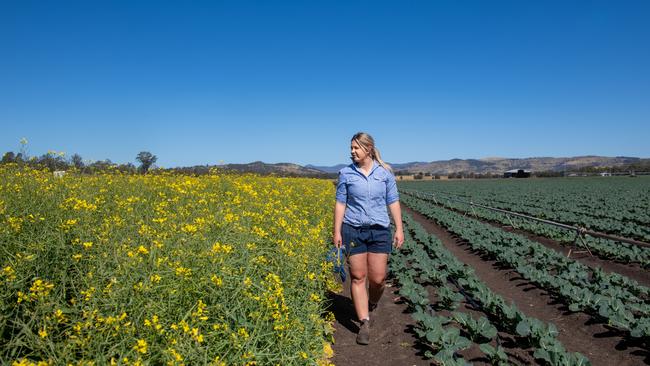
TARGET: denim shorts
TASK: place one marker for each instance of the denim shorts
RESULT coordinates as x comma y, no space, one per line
373,239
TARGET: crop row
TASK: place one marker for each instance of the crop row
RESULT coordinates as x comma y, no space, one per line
622,252
424,263
620,206
623,226
608,297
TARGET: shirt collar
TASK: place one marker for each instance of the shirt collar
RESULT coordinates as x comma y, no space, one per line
375,165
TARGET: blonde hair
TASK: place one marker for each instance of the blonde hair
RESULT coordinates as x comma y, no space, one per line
367,143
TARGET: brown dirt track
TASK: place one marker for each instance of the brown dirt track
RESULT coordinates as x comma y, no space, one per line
393,343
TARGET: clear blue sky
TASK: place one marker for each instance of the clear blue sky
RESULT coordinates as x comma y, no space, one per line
236,81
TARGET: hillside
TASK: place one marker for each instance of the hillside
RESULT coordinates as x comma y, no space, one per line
498,165
279,169
491,165
536,164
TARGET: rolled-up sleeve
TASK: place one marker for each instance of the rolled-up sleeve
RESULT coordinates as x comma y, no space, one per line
391,190
341,189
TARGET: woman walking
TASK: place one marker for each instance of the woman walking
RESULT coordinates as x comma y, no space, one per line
361,224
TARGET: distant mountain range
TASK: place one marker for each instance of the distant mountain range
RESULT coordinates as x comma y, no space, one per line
279,169
500,165
445,167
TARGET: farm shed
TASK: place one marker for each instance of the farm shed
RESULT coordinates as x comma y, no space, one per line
406,177
517,173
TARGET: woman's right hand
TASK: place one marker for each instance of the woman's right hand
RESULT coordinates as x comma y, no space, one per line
338,240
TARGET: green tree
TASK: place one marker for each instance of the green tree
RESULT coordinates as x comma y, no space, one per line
9,157
146,160
77,161
52,161
100,166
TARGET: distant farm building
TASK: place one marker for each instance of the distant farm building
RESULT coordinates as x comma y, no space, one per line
406,177
517,173
420,176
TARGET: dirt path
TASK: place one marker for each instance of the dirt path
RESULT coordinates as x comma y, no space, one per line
576,331
391,342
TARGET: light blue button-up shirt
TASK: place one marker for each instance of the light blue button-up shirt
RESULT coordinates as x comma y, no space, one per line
366,198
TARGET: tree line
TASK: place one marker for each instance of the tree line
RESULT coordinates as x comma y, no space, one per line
53,161
57,161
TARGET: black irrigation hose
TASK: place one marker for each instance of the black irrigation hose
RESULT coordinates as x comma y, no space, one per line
463,292
578,230
470,299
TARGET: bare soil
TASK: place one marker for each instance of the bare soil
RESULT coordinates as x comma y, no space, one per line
577,331
392,341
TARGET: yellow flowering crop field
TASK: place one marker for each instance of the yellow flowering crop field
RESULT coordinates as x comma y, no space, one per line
163,269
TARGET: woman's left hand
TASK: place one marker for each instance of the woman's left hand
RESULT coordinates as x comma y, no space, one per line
398,239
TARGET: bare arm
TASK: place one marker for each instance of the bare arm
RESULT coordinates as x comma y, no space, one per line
339,211
396,213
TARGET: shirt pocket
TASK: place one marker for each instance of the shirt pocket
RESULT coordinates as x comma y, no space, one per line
378,190
353,183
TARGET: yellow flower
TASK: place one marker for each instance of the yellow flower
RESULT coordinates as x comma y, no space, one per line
201,311
177,356
154,278
189,228
216,280
68,224
9,273
183,272
59,316
16,223
88,294
40,289
328,352
141,346
26,362
197,335
221,248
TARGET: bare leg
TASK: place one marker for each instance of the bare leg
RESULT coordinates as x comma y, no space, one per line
359,274
377,263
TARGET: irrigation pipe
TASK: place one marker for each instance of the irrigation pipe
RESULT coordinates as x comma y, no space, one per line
576,229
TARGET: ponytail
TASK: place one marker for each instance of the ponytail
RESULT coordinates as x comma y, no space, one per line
377,156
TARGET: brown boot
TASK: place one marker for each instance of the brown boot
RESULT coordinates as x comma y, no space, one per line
363,337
